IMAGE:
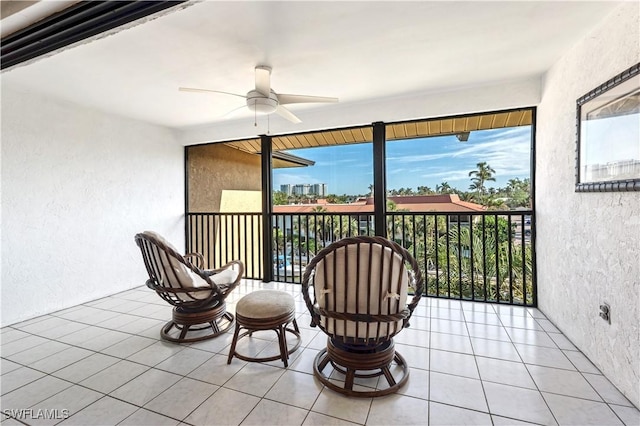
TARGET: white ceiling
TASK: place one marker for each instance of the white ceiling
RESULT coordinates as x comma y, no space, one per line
357,51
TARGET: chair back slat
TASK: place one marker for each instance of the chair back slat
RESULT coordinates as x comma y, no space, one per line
370,327
162,270
175,279
198,295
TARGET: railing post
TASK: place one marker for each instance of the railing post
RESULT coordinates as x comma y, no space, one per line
534,227
379,180
267,210
187,218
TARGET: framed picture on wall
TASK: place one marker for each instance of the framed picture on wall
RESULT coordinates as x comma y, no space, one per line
608,130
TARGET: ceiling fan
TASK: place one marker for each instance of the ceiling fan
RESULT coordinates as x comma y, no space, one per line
263,99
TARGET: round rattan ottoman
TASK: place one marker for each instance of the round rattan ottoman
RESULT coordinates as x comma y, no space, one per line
266,310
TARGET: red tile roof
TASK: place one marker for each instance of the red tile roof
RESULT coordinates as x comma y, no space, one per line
415,203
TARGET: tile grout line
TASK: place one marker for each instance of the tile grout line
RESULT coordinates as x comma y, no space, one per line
531,376
475,361
582,373
218,352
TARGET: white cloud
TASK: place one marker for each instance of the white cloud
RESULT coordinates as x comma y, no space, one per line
511,141
396,171
419,158
448,176
293,179
507,151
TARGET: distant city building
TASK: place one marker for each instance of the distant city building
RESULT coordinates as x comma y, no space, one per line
301,189
286,188
317,189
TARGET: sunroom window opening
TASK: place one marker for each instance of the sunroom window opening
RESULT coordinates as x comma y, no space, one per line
480,159
459,199
319,203
224,204
339,175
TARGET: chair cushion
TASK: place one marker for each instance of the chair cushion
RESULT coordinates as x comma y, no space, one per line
179,275
363,279
154,235
225,277
222,279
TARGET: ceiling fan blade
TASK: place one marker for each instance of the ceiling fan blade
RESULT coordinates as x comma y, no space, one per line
300,99
190,89
285,113
234,112
263,80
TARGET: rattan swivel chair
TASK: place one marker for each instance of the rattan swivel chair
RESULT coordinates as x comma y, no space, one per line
356,290
197,295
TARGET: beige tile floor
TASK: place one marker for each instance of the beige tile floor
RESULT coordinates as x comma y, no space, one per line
103,363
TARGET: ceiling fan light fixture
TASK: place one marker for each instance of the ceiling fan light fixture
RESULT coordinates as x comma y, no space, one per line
264,100
261,104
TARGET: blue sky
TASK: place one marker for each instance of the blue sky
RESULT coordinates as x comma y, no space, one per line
348,169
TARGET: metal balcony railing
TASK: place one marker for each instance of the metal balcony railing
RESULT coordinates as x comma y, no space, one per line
480,256
222,237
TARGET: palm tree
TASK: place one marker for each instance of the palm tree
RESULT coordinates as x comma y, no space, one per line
343,226
318,227
444,188
424,190
512,185
398,226
482,257
476,187
483,174
519,192
480,176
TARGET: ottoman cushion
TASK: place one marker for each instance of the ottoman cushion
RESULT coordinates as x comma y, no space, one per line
265,304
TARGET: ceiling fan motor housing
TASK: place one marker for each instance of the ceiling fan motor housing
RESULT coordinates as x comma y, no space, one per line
262,104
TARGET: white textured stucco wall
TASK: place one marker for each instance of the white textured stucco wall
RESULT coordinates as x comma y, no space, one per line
588,244
76,186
